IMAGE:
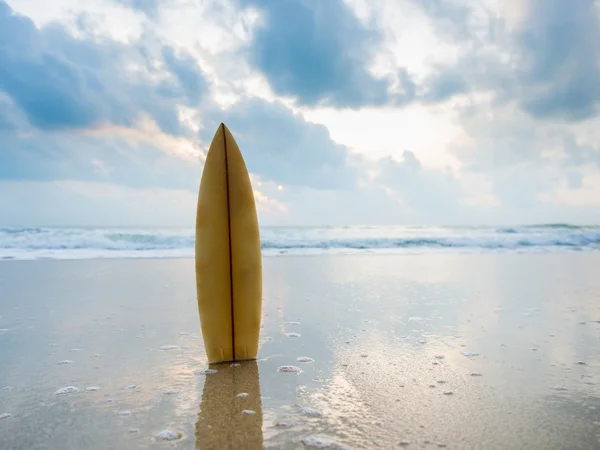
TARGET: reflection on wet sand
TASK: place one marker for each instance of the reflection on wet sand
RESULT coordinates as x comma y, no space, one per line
231,410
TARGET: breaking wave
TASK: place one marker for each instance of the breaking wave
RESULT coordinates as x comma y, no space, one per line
87,243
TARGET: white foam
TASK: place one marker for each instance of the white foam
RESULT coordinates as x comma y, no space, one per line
66,361
89,243
242,395
92,388
322,442
310,411
248,412
170,392
206,372
289,369
67,390
169,347
5,416
304,359
292,335
167,435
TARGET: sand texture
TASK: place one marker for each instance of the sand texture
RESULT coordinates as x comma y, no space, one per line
455,351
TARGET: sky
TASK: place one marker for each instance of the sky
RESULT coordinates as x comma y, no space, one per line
347,112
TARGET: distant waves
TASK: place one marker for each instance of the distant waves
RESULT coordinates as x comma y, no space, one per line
89,243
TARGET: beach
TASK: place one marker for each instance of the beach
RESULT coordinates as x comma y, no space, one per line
450,351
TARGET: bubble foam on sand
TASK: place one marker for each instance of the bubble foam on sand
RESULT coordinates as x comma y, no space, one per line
289,369
92,388
5,416
169,347
292,323
310,411
65,361
469,354
248,412
321,442
242,395
206,372
304,359
67,390
292,335
170,392
167,435
124,413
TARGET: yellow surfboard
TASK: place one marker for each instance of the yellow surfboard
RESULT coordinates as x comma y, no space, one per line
228,255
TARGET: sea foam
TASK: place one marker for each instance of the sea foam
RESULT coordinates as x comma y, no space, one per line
93,243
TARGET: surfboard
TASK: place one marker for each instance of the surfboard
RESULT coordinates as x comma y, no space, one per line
228,256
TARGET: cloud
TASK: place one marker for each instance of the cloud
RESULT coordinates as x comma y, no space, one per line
547,64
560,75
62,82
109,155
319,53
424,194
281,146
77,203
508,104
148,7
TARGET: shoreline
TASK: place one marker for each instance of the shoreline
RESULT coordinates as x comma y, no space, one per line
333,254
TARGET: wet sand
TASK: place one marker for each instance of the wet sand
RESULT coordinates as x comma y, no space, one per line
417,351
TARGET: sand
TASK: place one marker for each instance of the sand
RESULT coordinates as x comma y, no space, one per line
418,351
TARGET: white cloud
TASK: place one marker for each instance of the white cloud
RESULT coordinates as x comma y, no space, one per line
482,156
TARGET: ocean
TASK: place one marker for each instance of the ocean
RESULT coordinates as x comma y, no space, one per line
23,243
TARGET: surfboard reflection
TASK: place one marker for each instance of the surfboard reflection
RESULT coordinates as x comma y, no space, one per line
228,418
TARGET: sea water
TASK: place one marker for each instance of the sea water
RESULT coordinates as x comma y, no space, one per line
92,243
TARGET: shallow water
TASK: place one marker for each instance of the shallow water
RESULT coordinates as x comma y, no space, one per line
461,351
